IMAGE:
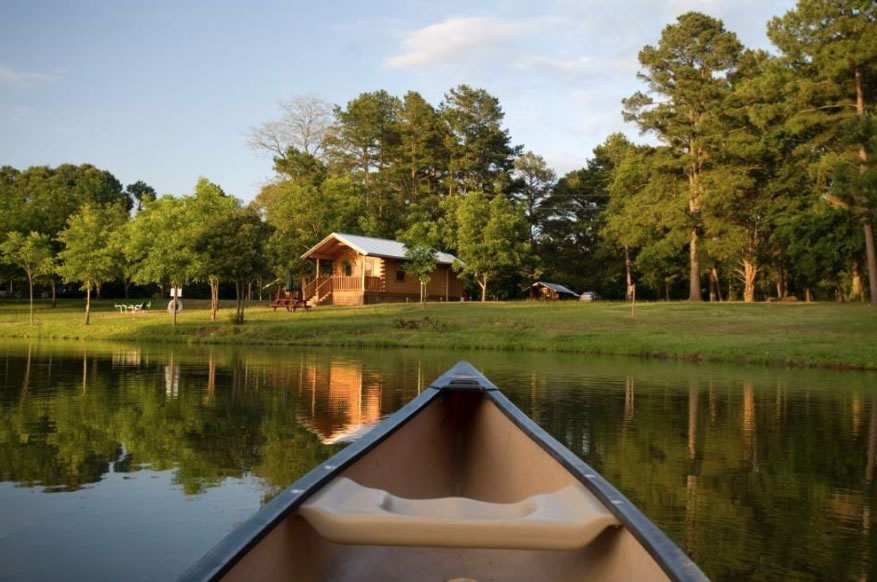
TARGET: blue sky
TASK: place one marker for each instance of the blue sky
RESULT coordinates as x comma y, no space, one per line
166,91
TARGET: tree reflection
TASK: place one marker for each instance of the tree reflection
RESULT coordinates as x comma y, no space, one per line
89,417
757,478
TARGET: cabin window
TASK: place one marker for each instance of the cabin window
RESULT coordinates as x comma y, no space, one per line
400,274
347,269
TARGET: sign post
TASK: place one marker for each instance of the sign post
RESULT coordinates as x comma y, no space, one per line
175,305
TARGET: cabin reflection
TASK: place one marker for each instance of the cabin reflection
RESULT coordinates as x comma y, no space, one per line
340,402
127,357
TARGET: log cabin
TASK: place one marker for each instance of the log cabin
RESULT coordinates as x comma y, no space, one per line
358,270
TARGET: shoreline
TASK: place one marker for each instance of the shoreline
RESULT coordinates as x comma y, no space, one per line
827,336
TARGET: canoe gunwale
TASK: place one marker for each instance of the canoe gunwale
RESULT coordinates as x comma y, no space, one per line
214,564
675,563
461,377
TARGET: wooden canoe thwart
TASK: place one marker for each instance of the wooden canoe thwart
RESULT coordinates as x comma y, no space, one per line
459,484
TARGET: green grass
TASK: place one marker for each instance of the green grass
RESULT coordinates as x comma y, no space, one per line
823,335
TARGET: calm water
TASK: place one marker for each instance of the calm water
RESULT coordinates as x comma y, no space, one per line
129,462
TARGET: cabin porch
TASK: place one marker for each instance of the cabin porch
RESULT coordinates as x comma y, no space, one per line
343,290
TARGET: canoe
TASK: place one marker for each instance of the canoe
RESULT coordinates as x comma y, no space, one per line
459,484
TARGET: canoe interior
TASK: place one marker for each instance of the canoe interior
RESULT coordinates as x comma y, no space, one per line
461,444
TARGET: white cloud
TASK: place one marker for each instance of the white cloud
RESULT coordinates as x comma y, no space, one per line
580,66
459,41
516,45
11,78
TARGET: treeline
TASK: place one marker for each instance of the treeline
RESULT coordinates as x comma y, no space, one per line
759,182
78,225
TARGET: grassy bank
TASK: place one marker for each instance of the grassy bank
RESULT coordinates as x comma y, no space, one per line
824,335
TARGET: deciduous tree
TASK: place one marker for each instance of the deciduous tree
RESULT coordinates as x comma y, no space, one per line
489,235
89,255
420,240
33,254
140,193
234,249
206,207
302,213
159,245
302,126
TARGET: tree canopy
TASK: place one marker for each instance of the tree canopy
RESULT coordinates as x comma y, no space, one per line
90,256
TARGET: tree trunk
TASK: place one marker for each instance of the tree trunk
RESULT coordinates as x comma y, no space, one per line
694,283
807,296
54,295
87,304
628,294
413,178
715,276
872,262
871,259
126,283
712,286
483,285
214,297
30,286
857,291
750,272
239,302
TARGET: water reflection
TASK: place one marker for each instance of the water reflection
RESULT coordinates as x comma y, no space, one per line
344,402
758,474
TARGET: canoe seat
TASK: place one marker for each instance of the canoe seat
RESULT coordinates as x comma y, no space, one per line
345,512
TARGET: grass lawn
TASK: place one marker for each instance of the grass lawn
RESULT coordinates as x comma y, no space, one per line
819,334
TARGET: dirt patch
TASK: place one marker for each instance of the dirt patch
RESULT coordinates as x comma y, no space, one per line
425,323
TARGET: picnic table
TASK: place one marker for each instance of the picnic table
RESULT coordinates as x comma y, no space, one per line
289,300
135,307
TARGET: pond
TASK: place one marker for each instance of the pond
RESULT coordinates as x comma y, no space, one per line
129,462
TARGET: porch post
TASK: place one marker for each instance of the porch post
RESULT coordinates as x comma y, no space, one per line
363,279
317,276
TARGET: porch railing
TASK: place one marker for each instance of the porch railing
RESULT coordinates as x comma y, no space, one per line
347,283
354,283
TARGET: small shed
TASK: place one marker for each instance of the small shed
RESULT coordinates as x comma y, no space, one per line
551,291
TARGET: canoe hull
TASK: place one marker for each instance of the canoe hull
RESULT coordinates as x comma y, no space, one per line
460,438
